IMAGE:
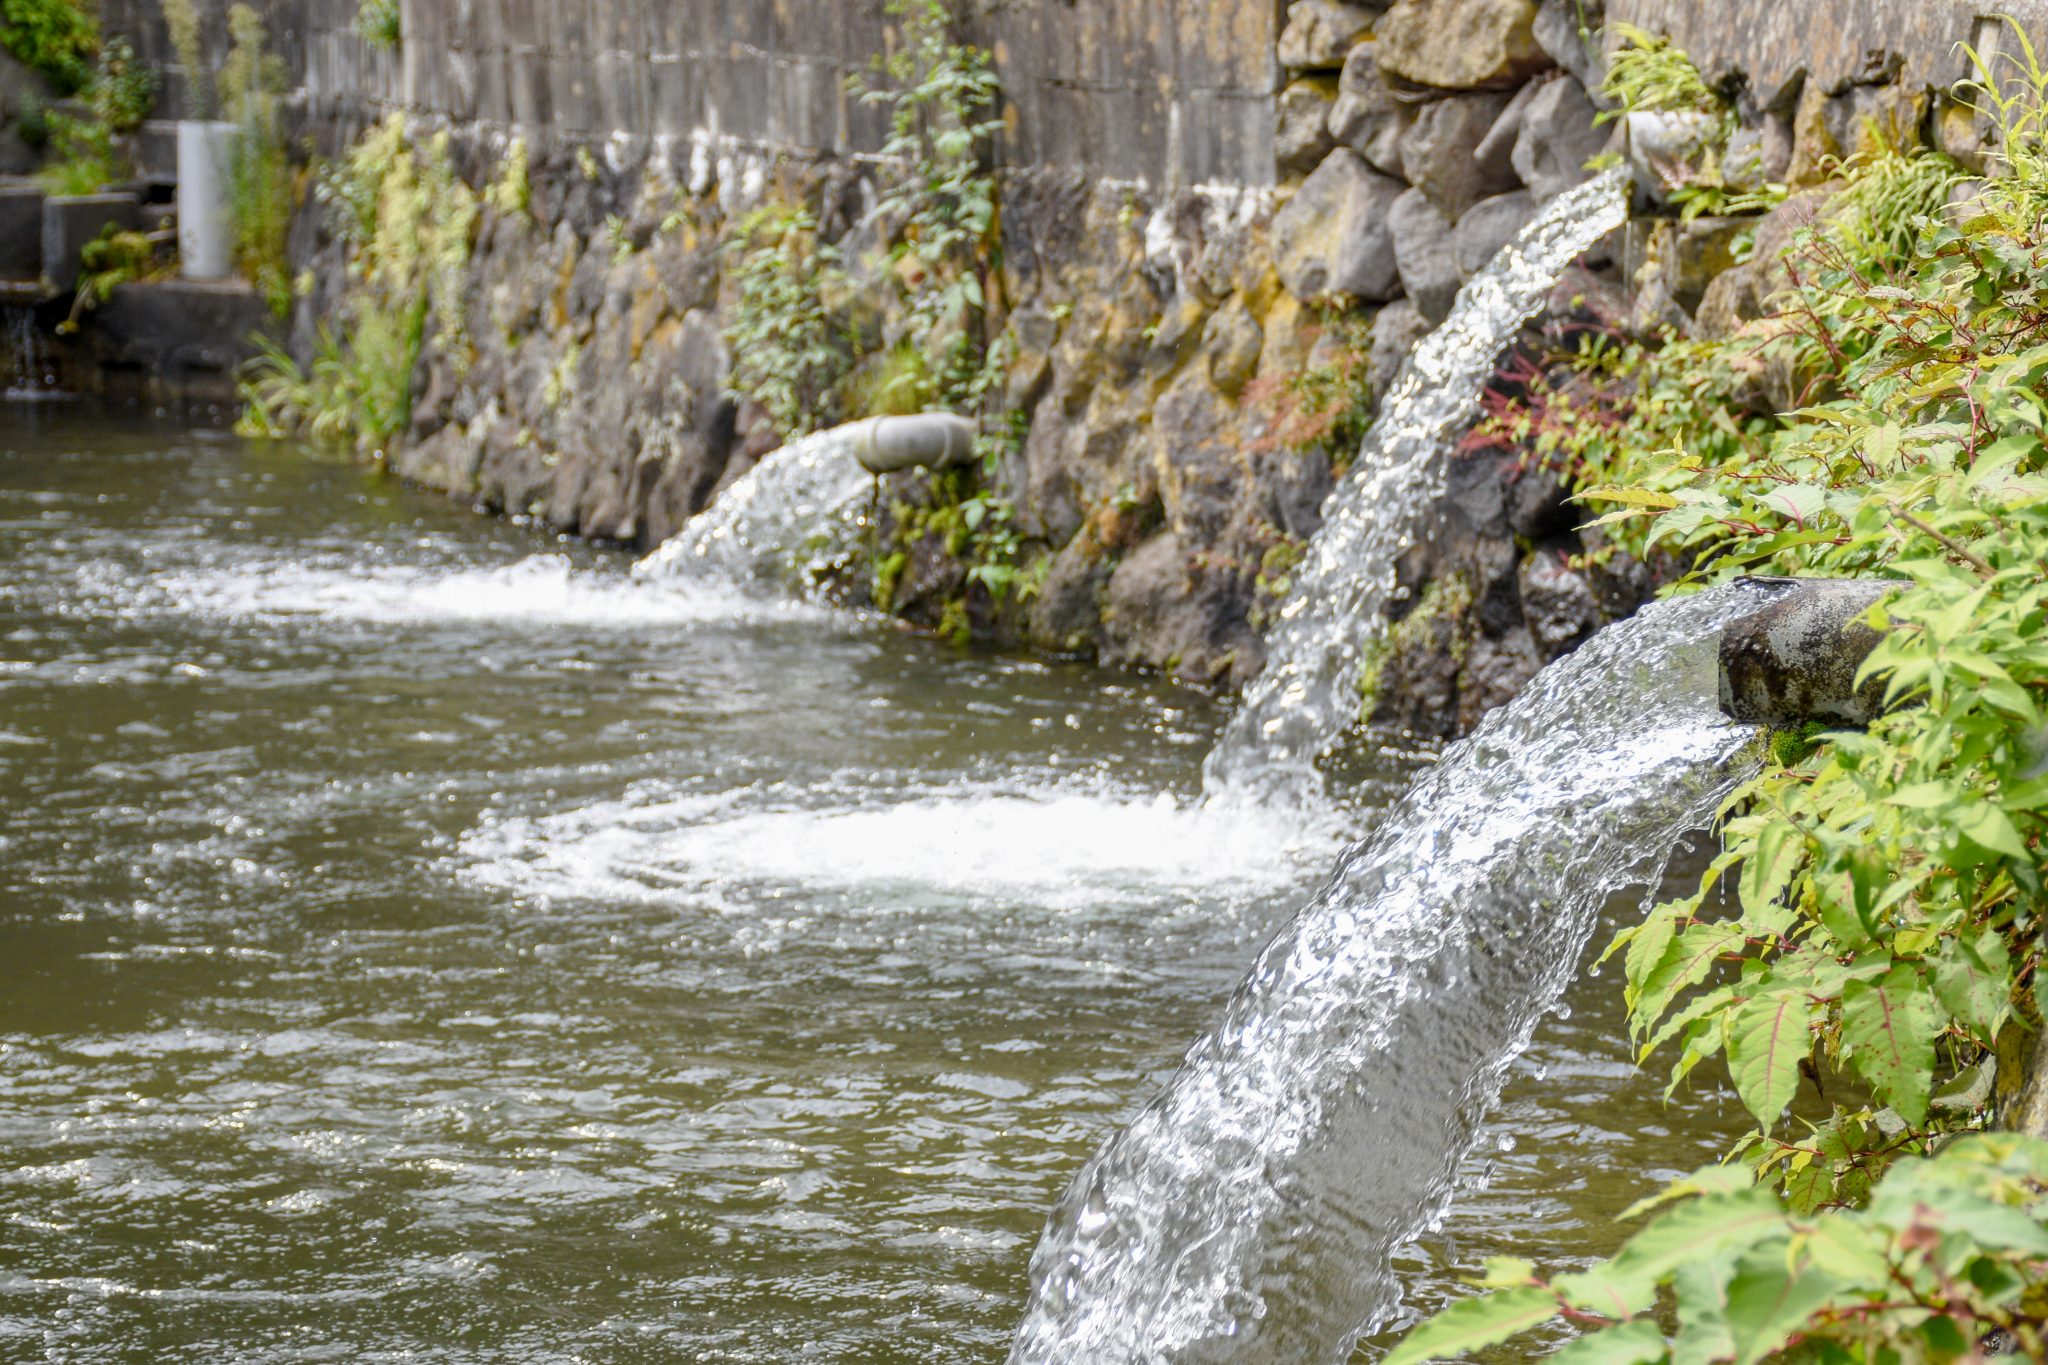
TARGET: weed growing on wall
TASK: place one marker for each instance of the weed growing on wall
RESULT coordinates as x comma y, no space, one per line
405,219
261,191
85,154
381,24
790,351
59,38
940,95
1863,955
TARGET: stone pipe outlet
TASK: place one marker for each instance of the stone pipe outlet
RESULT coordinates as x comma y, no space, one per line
1796,660
935,440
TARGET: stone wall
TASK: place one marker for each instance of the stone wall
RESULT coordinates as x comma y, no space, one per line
1203,203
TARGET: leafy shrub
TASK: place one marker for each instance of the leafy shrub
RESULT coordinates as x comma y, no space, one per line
59,38
1944,1264
123,88
405,218
1863,952
939,94
83,156
381,24
261,184
790,351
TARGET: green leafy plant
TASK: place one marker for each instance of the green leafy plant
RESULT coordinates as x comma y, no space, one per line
1325,407
1946,1262
181,17
1863,955
123,88
405,219
790,350
939,95
115,258
1647,74
261,184
84,157
381,24
59,38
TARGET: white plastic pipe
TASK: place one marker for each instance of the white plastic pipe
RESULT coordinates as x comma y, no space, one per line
935,440
206,219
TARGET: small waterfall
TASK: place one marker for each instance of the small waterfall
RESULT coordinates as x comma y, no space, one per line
1249,1213
783,525
1307,695
27,358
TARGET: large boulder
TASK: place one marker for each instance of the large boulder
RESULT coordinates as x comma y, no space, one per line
1319,34
1462,44
1490,225
1332,238
1441,153
1557,138
1425,253
1369,118
1568,31
1301,136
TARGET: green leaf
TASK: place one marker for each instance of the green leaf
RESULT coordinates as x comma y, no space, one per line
1975,982
1991,829
1470,1324
1770,1298
1686,963
1702,1227
1637,1342
1767,1039
1888,1030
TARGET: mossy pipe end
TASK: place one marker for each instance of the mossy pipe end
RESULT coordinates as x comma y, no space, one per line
936,440
1796,660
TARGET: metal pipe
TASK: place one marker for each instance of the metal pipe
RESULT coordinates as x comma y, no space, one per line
1796,660
936,440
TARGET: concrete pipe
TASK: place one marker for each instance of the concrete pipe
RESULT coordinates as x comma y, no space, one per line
1796,660
936,440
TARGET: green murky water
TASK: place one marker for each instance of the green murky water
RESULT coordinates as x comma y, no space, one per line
419,939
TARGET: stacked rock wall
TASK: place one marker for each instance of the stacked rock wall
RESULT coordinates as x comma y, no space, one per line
1202,203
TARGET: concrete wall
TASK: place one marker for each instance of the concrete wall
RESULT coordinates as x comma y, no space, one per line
1171,92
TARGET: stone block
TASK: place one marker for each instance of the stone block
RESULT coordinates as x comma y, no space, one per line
189,337
1440,153
1425,254
1332,237
1462,44
21,231
1557,138
1368,117
1301,137
1320,33
70,221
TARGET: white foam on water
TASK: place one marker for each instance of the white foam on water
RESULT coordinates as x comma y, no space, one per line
1062,848
539,590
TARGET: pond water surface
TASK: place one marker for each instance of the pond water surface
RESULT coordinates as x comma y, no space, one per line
420,939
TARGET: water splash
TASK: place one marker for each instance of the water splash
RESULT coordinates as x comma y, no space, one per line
1250,1212
786,524
1307,695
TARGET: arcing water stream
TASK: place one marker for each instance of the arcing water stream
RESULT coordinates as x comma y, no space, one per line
1249,1213
1307,696
781,525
